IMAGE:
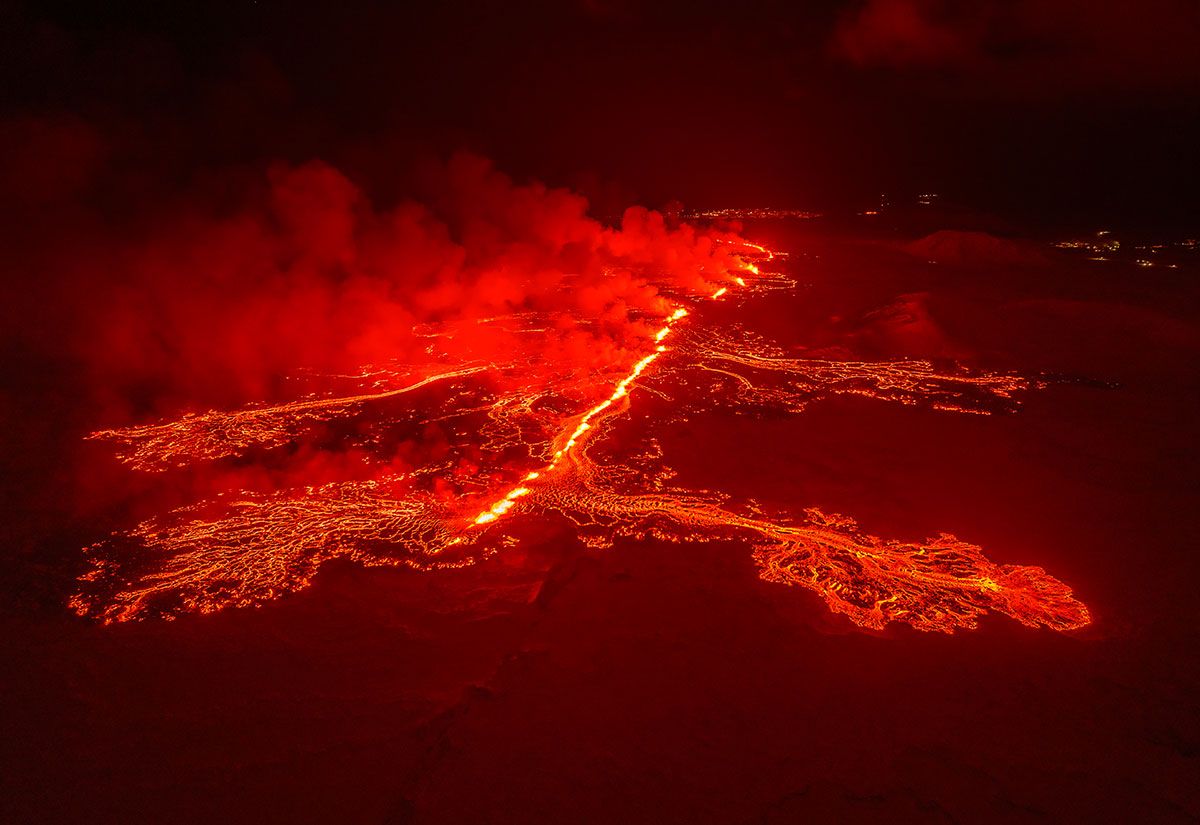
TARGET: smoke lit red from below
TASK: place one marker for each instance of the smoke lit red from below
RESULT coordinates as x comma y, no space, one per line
523,363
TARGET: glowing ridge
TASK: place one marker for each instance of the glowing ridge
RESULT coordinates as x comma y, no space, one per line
247,548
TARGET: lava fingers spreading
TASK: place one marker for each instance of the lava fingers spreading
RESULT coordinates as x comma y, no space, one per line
941,583
752,372
248,549
217,434
456,455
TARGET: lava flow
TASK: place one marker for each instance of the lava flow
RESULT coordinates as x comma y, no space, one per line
524,439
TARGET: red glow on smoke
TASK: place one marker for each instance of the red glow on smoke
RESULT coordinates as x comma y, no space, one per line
504,335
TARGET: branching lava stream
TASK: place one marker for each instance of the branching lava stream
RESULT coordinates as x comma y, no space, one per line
532,457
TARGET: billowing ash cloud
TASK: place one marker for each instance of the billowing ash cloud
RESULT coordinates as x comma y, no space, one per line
217,297
265,284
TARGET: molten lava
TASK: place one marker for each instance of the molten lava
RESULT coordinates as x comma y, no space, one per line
529,439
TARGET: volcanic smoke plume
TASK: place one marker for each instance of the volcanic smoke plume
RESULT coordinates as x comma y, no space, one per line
418,386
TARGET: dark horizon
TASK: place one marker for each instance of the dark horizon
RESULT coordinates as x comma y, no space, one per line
1063,113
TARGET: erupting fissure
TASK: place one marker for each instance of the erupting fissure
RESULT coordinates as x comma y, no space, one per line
505,504
249,547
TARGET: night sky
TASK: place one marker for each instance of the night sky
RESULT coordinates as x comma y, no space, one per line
1065,111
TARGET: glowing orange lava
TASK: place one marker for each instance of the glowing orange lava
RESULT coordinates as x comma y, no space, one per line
536,458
